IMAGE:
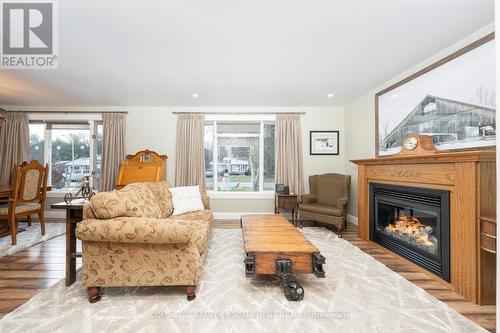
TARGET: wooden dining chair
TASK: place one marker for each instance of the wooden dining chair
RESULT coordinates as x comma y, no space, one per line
29,189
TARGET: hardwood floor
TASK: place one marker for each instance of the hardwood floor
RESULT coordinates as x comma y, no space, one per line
28,272
484,316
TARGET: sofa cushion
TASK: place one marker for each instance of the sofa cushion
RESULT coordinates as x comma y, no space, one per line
163,197
140,201
201,226
321,209
199,215
200,234
107,205
186,199
135,230
134,200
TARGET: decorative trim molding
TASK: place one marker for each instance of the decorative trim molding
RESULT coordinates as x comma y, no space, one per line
352,219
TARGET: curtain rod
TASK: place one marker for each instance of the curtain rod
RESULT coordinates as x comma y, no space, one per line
70,112
248,113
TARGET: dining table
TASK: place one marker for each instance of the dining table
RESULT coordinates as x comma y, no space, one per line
5,191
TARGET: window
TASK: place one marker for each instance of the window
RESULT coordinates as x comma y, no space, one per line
37,142
72,151
239,155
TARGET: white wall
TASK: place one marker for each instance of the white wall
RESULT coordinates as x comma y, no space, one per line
360,116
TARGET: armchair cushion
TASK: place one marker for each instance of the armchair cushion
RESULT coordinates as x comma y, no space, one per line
135,230
330,189
309,198
21,207
322,209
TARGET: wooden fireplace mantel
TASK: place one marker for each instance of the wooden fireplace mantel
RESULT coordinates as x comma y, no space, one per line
470,177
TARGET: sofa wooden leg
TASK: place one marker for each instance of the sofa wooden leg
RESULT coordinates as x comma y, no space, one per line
339,230
93,293
191,292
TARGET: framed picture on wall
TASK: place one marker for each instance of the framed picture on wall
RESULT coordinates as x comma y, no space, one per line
324,143
452,100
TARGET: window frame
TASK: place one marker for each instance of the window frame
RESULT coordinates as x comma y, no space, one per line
93,121
214,119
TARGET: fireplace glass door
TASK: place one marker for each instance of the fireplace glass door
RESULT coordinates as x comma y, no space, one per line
415,227
414,223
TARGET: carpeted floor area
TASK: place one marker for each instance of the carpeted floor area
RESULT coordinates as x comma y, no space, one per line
359,294
30,236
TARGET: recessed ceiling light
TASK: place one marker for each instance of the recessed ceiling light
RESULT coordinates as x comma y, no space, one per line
394,95
195,96
330,95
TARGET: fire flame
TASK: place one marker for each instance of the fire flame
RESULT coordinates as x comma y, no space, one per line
410,226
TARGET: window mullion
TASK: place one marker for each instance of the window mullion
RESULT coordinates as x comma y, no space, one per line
261,157
215,156
92,148
48,151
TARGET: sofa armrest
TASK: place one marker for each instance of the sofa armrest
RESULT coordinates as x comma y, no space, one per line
135,230
342,202
309,198
206,201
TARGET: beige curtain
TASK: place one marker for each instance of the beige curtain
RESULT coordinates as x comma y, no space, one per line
14,143
189,151
113,148
289,166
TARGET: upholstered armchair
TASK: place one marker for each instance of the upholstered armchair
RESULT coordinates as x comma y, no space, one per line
327,202
28,196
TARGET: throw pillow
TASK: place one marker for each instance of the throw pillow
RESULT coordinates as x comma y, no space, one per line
186,199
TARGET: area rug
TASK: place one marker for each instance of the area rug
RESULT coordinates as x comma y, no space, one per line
358,294
31,236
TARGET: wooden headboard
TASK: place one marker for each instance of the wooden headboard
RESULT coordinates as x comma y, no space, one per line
143,166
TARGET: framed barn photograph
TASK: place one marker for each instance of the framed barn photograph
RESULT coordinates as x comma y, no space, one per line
324,143
452,100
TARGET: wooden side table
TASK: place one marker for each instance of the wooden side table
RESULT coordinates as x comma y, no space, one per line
74,215
287,202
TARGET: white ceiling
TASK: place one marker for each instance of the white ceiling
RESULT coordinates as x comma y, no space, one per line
233,52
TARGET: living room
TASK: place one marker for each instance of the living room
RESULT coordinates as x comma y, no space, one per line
271,167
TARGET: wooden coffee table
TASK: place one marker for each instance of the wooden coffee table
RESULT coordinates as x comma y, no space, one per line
274,246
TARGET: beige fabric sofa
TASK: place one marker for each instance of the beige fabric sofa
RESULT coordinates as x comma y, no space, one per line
130,238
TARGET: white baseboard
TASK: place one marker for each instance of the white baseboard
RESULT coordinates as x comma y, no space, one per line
352,219
234,216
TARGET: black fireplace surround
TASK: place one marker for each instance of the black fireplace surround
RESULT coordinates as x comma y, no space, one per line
414,223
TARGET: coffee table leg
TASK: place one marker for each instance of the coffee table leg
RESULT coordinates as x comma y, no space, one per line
293,290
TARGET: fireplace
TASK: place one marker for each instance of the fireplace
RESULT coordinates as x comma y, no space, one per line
413,222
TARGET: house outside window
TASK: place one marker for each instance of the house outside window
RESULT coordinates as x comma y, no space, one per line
72,149
239,153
